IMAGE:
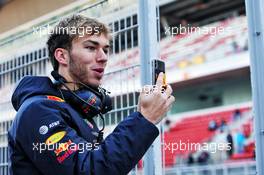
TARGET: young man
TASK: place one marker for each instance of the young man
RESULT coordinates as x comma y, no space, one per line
53,133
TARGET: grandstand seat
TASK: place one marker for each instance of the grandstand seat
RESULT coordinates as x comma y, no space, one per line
177,48
239,156
193,130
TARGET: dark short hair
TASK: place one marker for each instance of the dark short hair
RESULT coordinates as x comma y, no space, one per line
70,28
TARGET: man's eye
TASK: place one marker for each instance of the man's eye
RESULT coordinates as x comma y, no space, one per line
91,48
106,51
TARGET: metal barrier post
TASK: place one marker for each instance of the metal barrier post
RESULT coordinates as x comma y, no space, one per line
255,15
148,51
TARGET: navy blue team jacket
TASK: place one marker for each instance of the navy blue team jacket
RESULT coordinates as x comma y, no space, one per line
49,137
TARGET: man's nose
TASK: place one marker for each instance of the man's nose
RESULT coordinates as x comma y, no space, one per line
102,56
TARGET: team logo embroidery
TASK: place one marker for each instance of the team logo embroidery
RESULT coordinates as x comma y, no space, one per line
43,130
54,98
53,124
55,138
62,147
64,151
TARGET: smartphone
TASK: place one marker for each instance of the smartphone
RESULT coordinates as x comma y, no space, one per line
158,66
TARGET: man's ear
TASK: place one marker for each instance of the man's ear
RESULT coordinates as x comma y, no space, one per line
62,56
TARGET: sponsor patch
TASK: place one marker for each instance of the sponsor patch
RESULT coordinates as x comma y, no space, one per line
54,98
60,159
55,137
53,124
43,130
64,151
62,147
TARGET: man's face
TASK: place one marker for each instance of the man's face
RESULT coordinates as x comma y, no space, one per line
88,58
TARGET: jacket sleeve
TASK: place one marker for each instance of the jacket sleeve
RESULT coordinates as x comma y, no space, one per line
55,148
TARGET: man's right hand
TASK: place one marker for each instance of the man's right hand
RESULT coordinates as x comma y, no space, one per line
154,103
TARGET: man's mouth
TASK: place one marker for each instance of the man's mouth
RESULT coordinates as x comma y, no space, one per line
99,70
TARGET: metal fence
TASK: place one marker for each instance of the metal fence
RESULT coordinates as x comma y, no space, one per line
4,126
234,168
123,85
32,63
122,79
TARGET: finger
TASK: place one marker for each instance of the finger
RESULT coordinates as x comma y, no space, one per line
170,100
159,82
145,90
168,90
